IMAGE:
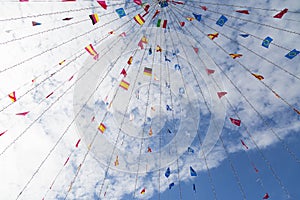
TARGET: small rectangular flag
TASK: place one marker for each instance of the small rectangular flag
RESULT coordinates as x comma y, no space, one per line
129,62
194,187
259,77
36,23
212,36
190,18
168,172
222,20
209,71
221,94
92,51
138,2
292,54
143,191
121,12
244,35
163,24
124,85
266,42
193,172
147,71
101,128
171,185
235,55
243,11
190,150
94,18
197,17
158,49
139,19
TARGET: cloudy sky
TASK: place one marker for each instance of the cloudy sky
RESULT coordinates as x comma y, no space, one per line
55,151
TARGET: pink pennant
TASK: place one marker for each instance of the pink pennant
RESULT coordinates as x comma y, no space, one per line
3,133
210,71
77,143
102,4
221,94
23,113
236,122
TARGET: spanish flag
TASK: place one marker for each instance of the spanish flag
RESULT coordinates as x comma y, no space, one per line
12,96
190,18
102,128
213,35
92,51
143,191
129,62
259,77
150,132
117,161
94,18
158,48
147,71
235,55
124,85
139,19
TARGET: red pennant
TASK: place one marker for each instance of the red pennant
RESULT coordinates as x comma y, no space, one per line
196,49
123,72
210,71
155,14
235,121
49,95
102,4
280,15
204,8
3,133
221,94
182,24
23,113
149,149
243,143
266,196
77,143
243,11
140,44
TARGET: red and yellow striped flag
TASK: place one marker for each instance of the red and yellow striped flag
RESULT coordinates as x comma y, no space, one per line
102,128
92,51
12,96
139,19
124,85
259,77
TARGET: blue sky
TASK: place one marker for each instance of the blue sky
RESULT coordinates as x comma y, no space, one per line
35,148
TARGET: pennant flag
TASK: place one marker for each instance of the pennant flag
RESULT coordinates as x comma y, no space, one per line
129,62
163,25
92,51
139,19
49,95
150,131
163,4
167,59
138,2
169,131
150,51
266,196
244,35
168,172
77,143
67,18
67,161
197,17
190,18
281,13
62,62
204,8
221,94
124,85
111,32
143,191
94,18
243,143
102,4
177,67
117,161
297,111
190,150
147,71
3,133
292,54
235,121
123,34
193,172
182,24
222,20
12,96
36,23
149,150
123,72
168,108
235,55
23,113
171,185
266,42
243,11
155,14
121,12
212,36
143,41
158,48
146,7
196,50
101,128
194,187
259,77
